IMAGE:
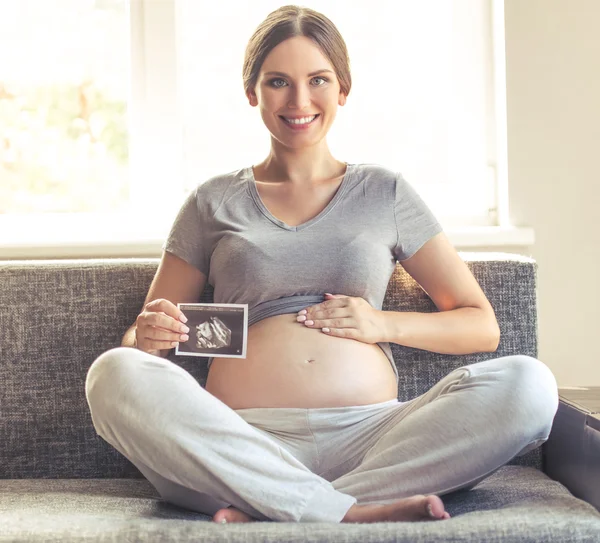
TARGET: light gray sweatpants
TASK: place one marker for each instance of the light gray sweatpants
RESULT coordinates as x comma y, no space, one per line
312,465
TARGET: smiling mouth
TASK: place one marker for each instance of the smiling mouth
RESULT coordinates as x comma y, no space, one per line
299,124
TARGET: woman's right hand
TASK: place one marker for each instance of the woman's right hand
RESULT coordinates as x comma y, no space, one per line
159,327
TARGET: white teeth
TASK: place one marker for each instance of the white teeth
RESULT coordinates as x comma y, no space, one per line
304,120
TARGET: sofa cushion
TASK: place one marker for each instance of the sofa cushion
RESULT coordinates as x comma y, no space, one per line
515,504
57,316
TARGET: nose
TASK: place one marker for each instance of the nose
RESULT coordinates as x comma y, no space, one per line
299,97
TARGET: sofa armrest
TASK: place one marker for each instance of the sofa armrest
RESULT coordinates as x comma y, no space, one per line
572,452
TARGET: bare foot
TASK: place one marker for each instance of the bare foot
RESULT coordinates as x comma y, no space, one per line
231,514
407,509
414,508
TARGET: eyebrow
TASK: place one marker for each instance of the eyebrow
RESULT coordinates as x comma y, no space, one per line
310,74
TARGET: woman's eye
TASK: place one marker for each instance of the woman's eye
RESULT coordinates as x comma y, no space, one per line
273,81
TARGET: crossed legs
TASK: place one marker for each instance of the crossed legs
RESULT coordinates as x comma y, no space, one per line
202,455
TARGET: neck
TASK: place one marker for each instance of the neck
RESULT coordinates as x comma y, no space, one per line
299,169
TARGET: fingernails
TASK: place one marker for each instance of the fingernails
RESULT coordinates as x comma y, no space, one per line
223,521
182,318
430,510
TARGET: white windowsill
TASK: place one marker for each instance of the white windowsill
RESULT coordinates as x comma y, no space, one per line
148,244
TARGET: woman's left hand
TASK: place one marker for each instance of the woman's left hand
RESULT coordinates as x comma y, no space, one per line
345,316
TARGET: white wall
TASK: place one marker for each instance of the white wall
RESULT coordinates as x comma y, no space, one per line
553,109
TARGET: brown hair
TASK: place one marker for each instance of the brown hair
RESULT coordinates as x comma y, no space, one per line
287,22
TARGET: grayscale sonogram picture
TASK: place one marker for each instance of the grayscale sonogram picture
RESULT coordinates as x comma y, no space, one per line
212,334
216,330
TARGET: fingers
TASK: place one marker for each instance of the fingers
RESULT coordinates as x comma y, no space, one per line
339,322
314,313
148,345
153,333
159,326
160,304
160,320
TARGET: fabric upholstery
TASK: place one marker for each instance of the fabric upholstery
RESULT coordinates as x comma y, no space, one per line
515,505
58,316
59,481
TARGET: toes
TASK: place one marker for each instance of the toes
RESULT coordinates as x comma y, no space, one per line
231,514
220,516
434,507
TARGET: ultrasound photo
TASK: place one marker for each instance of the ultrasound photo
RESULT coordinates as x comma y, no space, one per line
216,330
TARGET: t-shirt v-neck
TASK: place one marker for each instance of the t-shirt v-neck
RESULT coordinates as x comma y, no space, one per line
264,210
375,219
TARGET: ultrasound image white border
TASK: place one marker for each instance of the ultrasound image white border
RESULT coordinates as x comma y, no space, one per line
216,330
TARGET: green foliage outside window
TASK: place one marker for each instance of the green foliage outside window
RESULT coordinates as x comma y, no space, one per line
63,148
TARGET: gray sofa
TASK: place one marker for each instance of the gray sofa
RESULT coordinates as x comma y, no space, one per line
59,481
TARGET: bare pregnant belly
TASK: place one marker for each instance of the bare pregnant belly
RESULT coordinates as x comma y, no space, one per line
290,365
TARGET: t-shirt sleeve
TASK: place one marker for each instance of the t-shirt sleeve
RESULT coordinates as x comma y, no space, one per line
415,222
188,236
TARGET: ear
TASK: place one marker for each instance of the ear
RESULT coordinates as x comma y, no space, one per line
342,100
252,99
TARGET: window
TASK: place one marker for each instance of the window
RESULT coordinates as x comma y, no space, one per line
422,98
112,110
63,106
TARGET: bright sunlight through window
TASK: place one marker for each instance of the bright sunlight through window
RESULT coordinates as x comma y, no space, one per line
64,84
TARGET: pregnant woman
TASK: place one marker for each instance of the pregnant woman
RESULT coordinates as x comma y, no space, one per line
309,428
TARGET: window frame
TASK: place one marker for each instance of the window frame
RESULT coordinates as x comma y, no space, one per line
156,159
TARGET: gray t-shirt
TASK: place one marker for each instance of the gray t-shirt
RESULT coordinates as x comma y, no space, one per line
250,257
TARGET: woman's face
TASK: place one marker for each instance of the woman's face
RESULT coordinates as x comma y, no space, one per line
297,93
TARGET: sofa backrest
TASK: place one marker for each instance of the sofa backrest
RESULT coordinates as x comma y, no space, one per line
57,316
